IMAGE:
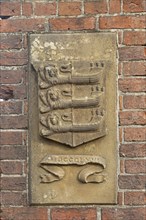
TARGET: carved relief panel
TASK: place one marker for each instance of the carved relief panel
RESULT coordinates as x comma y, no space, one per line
73,118
71,101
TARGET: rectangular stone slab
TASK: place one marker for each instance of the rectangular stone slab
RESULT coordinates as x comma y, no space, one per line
73,118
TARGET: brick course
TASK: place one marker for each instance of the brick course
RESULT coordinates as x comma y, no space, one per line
45,9
10,138
22,25
134,198
69,8
11,167
134,38
132,182
122,22
132,118
134,5
125,18
114,6
32,213
16,76
27,9
69,214
133,150
64,24
10,9
134,68
123,213
10,107
10,41
95,7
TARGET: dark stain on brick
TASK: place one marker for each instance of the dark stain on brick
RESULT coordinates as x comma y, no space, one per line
4,17
6,93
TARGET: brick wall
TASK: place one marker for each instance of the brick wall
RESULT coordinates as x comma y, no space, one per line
127,19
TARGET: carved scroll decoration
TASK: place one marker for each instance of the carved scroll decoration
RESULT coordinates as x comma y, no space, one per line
90,174
54,173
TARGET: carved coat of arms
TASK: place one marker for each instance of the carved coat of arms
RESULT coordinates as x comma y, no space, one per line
71,101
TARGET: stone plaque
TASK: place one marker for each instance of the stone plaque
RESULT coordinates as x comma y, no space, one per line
72,115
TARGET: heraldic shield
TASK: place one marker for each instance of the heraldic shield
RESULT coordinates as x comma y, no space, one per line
71,100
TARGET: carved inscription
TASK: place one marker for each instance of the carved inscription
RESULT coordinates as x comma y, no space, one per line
71,101
73,159
90,174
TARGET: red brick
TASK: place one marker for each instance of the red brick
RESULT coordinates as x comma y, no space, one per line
120,37
134,38
25,213
10,42
13,153
13,199
25,107
45,9
26,168
25,41
135,134
7,107
14,58
27,9
134,102
133,150
123,213
132,182
135,166
120,102
11,167
132,53
69,8
120,134
72,24
10,138
114,6
6,93
120,198
122,21
95,7
22,25
73,213
24,138
134,198
10,8
134,68
13,122
134,5
132,85
13,92
122,166
13,183
132,118
12,76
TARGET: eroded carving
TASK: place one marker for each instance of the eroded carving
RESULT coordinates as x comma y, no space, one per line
55,99
91,175
74,160
54,173
67,90
54,124
88,174
64,74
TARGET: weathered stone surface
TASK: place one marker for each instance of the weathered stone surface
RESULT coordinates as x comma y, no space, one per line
73,101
